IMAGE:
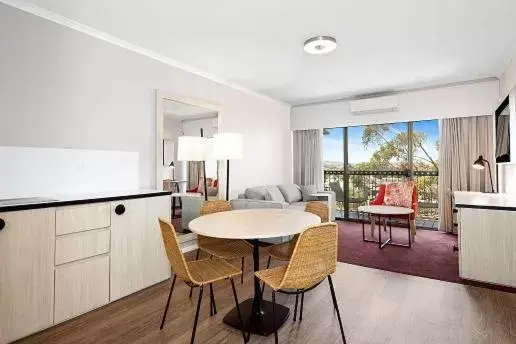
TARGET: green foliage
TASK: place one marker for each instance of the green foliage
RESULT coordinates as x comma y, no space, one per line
392,150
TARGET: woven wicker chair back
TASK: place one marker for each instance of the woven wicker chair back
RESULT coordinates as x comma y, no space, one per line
314,257
210,207
175,256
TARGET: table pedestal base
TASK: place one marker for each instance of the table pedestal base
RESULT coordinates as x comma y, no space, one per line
263,324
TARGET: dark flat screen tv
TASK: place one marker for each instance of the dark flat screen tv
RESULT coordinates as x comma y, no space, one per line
502,133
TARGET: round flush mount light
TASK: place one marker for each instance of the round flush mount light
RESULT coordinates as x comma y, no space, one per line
320,45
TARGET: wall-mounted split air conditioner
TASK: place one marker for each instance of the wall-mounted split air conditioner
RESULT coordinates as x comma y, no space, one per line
374,105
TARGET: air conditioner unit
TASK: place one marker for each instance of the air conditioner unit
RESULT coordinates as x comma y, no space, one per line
374,105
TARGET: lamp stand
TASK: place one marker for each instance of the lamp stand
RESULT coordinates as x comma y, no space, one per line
227,180
490,176
204,174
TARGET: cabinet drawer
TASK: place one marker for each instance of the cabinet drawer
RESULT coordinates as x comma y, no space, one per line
77,246
80,287
82,218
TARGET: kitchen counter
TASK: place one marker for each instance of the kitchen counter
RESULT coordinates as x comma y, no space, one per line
17,204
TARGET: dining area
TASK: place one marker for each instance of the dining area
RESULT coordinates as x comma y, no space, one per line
227,240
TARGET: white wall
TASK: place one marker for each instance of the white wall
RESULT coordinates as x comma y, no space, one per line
64,89
508,79
34,172
472,99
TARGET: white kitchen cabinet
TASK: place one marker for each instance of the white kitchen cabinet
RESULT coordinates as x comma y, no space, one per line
488,245
27,244
81,286
138,259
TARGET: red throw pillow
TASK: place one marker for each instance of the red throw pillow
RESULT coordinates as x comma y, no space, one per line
399,194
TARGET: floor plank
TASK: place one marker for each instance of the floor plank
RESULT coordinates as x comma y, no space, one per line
376,306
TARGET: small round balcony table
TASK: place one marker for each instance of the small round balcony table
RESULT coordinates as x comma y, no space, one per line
253,225
385,211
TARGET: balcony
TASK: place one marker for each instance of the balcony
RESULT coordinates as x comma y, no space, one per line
362,187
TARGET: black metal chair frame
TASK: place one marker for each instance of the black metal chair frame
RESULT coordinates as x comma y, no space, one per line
213,307
302,293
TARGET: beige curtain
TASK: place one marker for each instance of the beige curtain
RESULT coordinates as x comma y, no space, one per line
308,158
194,173
462,140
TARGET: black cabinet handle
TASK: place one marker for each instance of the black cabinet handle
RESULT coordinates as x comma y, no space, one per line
120,209
2,224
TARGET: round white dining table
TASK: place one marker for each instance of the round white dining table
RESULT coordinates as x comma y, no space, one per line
253,225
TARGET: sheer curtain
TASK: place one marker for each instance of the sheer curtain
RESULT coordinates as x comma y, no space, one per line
461,141
308,158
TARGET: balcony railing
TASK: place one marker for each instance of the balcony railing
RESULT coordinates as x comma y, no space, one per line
362,186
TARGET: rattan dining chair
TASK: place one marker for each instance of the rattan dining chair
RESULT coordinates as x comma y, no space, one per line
227,249
196,274
314,259
283,252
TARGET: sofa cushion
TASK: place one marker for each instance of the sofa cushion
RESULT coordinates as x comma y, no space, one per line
256,192
274,194
291,192
307,191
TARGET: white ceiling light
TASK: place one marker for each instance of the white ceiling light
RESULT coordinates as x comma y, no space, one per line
320,45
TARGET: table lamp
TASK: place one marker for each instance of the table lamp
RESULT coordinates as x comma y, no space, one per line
480,164
227,146
193,148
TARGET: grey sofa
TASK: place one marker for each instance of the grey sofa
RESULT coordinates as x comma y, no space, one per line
285,196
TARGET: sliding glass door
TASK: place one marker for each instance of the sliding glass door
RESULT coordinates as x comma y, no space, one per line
358,159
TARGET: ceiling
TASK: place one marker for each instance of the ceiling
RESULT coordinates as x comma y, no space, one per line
183,111
258,44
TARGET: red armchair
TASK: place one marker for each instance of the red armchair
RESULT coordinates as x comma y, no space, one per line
415,206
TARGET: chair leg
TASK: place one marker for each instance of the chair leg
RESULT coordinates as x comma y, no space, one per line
295,307
268,264
213,306
197,314
274,316
238,311
196,258
301,308
168,302
336,307
242,276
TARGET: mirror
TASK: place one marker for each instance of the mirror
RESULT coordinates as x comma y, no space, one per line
502,118
178,116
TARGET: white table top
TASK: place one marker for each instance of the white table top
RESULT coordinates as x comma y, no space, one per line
253,223
385,210
320,194
184,194
468,199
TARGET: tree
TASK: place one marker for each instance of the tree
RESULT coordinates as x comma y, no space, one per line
393,147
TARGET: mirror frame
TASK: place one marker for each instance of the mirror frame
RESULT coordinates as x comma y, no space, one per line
188,240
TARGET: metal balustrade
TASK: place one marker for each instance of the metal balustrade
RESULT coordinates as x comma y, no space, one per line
362,187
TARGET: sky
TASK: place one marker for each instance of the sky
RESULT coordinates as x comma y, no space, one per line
333,150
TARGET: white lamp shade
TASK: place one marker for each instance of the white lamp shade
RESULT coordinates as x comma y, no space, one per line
225,146
191,148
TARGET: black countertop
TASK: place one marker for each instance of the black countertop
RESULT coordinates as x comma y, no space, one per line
30,203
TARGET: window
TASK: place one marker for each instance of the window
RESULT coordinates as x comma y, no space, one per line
358,159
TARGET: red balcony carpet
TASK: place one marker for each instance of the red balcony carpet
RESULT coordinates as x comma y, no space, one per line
431,255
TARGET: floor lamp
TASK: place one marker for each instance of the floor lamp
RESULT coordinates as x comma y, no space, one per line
192,148
227,146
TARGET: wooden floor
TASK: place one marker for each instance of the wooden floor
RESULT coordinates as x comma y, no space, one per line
376,306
